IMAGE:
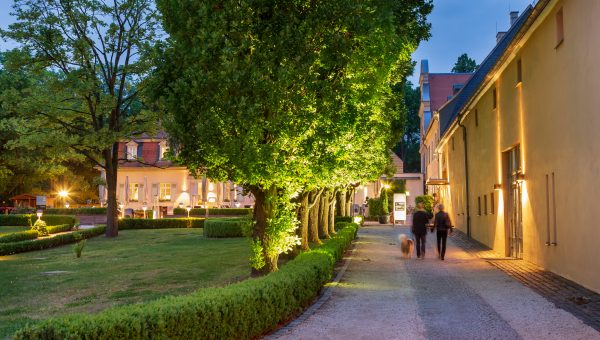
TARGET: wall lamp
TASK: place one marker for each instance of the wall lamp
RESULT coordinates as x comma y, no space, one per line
497,186
520,177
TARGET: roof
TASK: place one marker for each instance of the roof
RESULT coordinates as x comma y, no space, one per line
398,163
441,87
22,197
452,108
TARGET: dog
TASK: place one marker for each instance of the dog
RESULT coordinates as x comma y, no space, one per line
406,246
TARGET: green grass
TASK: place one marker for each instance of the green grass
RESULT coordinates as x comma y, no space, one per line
12,229
139,265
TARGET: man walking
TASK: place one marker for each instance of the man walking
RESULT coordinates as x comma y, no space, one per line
419,228
442,224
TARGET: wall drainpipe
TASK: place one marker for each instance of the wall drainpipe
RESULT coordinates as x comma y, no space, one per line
464,129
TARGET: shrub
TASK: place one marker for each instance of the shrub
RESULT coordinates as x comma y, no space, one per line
29,219
226,227
374,207
163,223
40,227
50,242
343,219
19,236
58,228
243,310
24,220
78,248
214,211
61,219
385,202
75,211
427,201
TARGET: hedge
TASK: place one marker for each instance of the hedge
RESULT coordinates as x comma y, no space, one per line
243,310
343,219
19,236
50,242
374,207
226,227
29,219
163,223
214,211
75,211
58,228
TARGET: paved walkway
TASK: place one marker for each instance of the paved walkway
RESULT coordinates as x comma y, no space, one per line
382,296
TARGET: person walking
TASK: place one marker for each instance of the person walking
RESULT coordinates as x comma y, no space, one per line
442,224
419,228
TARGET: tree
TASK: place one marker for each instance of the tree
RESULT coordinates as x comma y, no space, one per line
408,146
90,56
286,98
464,64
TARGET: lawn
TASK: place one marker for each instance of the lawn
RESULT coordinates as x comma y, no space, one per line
12,229
139,265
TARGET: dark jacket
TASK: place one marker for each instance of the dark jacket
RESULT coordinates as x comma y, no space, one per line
420,220
442,221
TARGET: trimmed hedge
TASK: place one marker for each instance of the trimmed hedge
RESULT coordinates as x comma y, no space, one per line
343,219
29,219
214,211
49,242
226,227
55,229
163,223
75,211
243,310
19,236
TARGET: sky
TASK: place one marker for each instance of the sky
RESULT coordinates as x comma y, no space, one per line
457,27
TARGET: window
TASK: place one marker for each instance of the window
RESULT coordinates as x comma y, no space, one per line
485,204
165,192
560,33
456,88
132,150
492,203
163,148
201,190
494,98
476,118
519,74
134,192
479,205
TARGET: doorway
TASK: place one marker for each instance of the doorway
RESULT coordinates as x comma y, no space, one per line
514,213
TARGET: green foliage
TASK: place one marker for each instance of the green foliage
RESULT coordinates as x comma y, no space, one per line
59,228
50,242
78,248
464,64
75,211
214,211
146,223
427,201
61,219
226,227
19,236
408,146
24,220
374,207
243,310
385,201
347,219
40,227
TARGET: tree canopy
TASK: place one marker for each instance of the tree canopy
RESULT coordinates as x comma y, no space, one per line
464,64
282,96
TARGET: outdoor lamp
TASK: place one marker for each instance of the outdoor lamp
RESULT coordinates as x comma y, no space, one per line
188,208
407,193
386,186
39,214
237,204
63,193
520,177
144,208
67,205
180,205
497,186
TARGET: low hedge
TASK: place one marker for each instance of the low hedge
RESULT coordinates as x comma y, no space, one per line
19,236
226,227
75,211
343,219
29,219
163,223
214,211
50,242
243,310
55,229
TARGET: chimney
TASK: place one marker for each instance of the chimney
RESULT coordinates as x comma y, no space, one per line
499,36
514,15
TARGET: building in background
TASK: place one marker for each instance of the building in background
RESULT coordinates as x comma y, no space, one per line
519,142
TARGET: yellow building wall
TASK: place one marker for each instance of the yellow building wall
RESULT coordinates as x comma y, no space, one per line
552,115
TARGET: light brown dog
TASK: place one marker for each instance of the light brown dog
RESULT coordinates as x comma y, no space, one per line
406,246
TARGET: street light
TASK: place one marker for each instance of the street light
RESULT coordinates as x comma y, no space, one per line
144,208
188,208
63,194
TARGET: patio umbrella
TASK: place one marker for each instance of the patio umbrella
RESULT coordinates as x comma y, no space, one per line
126,190
102,188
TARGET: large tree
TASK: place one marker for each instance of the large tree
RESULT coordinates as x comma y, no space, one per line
464,64
408,146
280,95
90,56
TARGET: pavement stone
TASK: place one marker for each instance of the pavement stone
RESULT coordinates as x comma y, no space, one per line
383,296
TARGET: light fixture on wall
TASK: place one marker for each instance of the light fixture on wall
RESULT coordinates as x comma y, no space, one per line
497,186
520,177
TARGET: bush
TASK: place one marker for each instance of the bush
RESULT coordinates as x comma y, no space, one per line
427,201
163,223
243,310
58,228
226,227
385,202
19,236
214,211
61,219
50,242
75,211
40,227
343,219
374,207
29,219
17,220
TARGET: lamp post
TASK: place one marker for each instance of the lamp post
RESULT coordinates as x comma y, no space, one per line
39,214
144,208
67,205
188,208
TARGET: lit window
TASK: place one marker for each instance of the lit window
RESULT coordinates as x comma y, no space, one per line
134,192
165,192
132,150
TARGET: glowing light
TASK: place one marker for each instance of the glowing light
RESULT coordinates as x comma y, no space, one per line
63,193
358,219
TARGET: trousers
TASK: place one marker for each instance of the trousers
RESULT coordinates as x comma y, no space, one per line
442,235
420,243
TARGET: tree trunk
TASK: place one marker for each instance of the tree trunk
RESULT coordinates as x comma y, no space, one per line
332,204
263,210
313,231
303,213
324,216
111,161
342,203
348,196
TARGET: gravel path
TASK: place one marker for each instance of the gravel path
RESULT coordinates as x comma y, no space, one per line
382,296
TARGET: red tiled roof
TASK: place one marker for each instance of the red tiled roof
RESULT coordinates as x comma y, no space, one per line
440,87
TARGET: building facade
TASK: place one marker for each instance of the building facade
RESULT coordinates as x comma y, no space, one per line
520,139
146,178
